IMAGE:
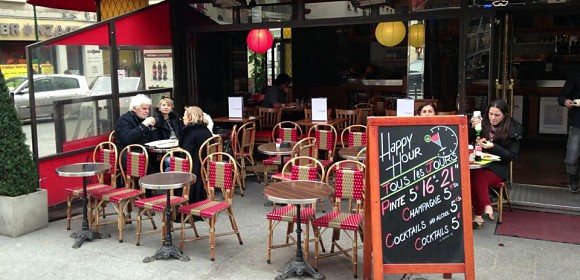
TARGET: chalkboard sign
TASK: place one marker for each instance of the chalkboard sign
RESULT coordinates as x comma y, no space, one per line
420,208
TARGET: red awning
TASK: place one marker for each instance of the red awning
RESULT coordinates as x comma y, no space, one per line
149,26
75,5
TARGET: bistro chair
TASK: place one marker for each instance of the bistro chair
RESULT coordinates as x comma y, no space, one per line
179,161
242,142
501,191
300,168
354,135
287,131
136,162
305,147
271,116
105,152
326,139
381,103
348,184
112,137
350,115
217,175
212,145
250,111
364,110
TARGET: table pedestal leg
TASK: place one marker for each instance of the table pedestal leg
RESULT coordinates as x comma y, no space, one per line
298,266
85,233
168,250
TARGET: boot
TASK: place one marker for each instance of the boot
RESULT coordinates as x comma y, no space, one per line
573,183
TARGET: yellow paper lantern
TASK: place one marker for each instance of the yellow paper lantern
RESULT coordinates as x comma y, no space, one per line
417,35
390,34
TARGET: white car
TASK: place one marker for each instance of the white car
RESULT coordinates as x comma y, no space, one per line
47,89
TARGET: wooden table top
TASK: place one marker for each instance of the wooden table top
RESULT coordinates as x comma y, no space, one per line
297,192
330,121
270,149
167,180
352,153
236,120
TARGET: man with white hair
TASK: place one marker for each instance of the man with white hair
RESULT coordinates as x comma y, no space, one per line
135,126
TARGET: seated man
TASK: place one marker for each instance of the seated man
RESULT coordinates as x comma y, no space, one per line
136,127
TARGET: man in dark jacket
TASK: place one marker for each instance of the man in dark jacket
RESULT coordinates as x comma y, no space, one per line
570,97
136,127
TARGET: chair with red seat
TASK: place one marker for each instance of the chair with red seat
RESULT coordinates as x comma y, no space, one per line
354,135
179,160
287,131
270,117
348,184
326,138
305,147
137,160
300,168
219,172
105,152
242,143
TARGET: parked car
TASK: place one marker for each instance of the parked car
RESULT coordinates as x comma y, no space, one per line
47,89
102,85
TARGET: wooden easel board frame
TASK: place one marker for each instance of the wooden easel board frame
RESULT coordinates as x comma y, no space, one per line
418,165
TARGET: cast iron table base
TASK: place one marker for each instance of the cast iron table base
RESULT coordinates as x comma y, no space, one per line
298,266
168,250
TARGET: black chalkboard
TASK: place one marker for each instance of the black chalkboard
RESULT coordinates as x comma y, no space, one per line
420,194
418,207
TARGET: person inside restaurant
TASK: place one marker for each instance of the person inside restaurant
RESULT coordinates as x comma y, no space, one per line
194,133
167,123
427,109
277,94
500,136
135,127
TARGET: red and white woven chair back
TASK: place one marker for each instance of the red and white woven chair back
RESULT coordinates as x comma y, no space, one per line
349,183
288,134
219,174
304,173
357,139
136,164
304,168
106,152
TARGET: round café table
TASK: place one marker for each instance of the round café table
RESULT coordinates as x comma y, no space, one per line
271,150
352,153
167,181
84,170
297,193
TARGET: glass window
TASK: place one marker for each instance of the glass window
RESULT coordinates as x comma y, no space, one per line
65,83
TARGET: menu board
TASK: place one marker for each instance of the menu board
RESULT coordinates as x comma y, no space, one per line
420,208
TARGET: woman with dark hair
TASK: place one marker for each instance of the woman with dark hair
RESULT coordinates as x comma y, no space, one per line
427,109
276,95
500,136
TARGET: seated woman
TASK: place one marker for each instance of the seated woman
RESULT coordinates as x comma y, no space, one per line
167,122
194,133
427,109
500,136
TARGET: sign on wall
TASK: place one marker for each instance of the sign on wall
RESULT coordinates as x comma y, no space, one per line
158,68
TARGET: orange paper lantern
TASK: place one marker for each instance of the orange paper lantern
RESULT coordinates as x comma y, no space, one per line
390,34
260,40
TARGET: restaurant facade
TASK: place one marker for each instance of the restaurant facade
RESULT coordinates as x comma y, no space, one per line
520,51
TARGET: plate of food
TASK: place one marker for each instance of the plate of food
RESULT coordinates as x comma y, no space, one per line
490,157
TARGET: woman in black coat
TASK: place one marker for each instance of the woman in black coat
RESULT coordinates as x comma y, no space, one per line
193,134
167,123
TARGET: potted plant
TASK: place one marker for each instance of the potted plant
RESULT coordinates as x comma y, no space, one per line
23,206
258,72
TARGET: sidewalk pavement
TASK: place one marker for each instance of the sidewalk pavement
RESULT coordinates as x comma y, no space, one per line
47,253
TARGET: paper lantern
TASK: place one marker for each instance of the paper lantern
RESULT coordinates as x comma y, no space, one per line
390,34
417,35
260,40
